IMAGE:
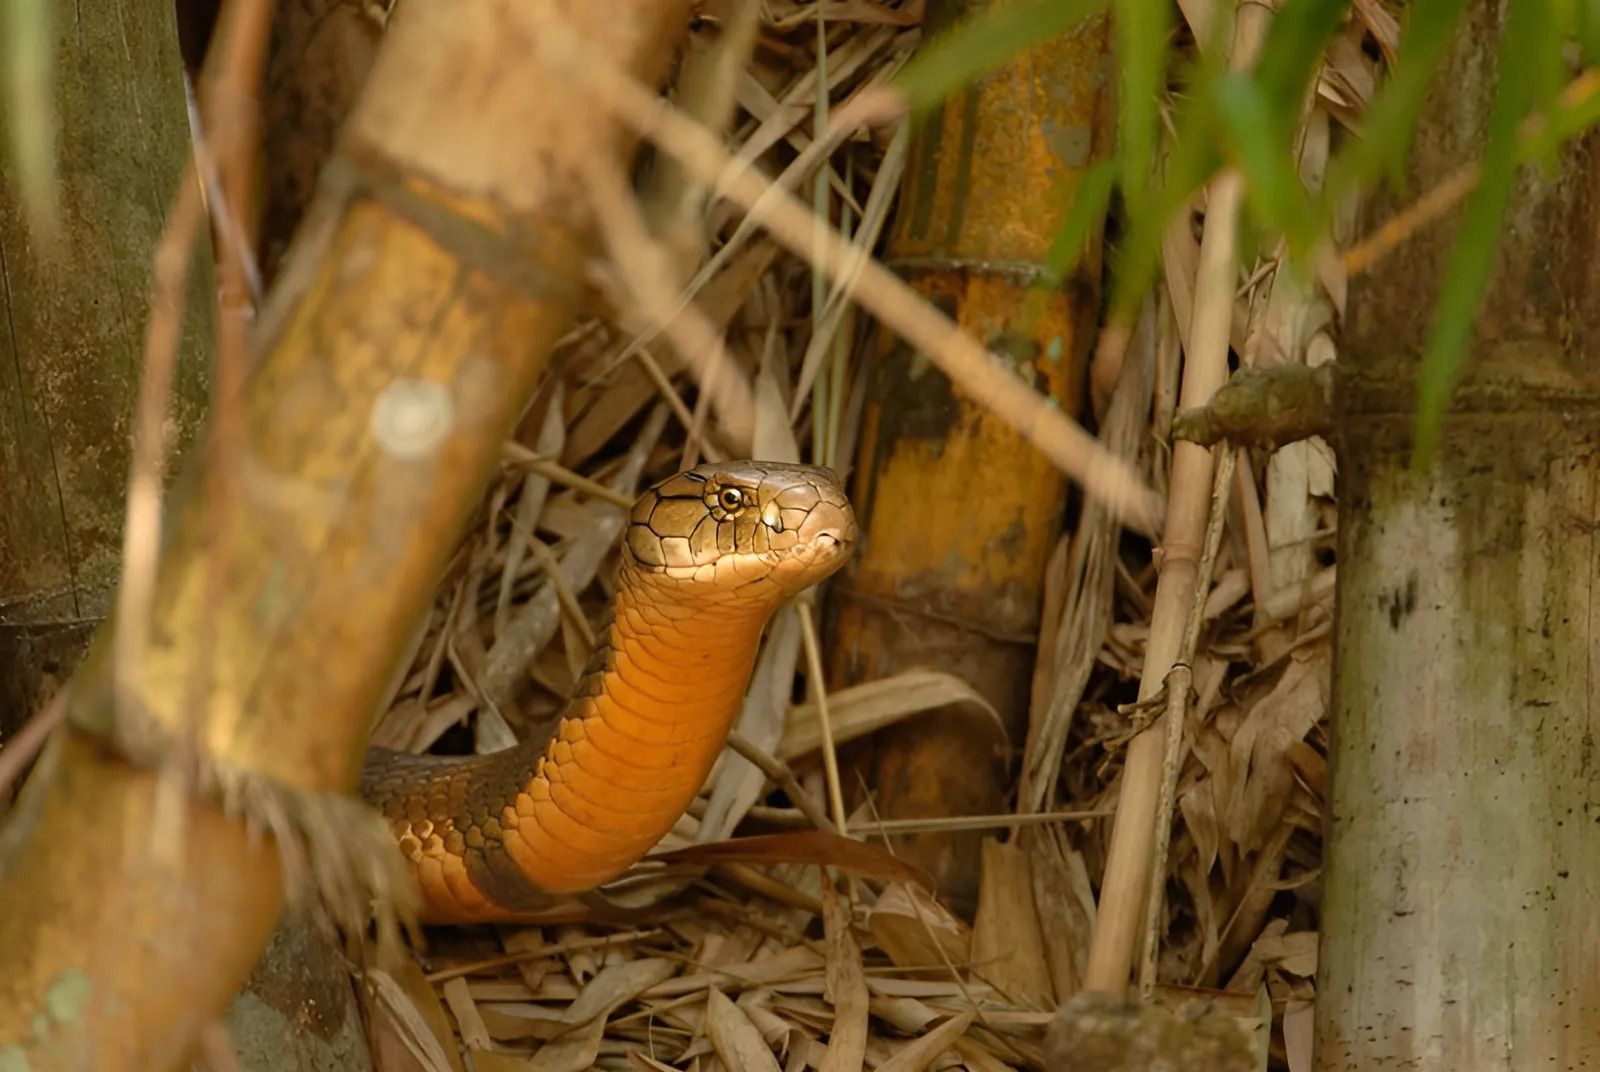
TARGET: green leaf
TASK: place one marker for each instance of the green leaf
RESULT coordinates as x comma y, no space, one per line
1085,215
983,44
1292,53
1530,41
1141,28
1564,121
1192,159
1587,28
27,108
1265,154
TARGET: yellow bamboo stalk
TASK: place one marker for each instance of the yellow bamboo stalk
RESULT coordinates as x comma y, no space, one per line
440,263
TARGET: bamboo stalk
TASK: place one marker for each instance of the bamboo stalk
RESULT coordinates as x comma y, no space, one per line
440,263
1129,861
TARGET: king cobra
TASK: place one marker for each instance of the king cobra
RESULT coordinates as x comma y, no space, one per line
708,557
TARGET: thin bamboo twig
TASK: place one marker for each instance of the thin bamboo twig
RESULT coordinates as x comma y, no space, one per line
988,380
560,474
554,949
975,822
141,533
1180,680
830,756
777,770
1129,859
564,593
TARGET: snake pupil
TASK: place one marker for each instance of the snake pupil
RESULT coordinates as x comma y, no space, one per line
731,498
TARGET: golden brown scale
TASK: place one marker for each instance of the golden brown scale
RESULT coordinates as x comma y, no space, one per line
708,556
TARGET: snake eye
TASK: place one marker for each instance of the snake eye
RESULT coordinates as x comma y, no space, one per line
730,499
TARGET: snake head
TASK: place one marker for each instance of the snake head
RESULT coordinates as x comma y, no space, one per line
737,525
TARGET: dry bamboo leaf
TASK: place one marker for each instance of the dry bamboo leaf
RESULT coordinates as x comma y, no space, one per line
774,1028
1198,806
519,1020
735,1038
1064,900
1255,899
978,1057
905,1014
794,962
796,104
889,986
915,930
728,948
528,940
574,1051
616,985
1007,944
465,1010
1291,515
532,626
919,1053
633,388
411,1026
498,990
704,88
1298,1038
1296,703
845,987
1383,26
491,1061
862,709
530,504
1295,953
880,201
1198,882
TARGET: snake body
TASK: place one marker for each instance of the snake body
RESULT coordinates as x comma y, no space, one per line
707,557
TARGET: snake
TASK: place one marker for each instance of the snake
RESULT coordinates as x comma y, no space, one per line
706,559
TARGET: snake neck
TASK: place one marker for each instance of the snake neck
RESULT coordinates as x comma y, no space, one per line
671,658
633,747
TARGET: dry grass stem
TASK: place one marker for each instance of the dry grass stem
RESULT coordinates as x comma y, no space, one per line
830,756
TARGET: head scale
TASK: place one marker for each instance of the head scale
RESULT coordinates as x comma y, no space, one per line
734,524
